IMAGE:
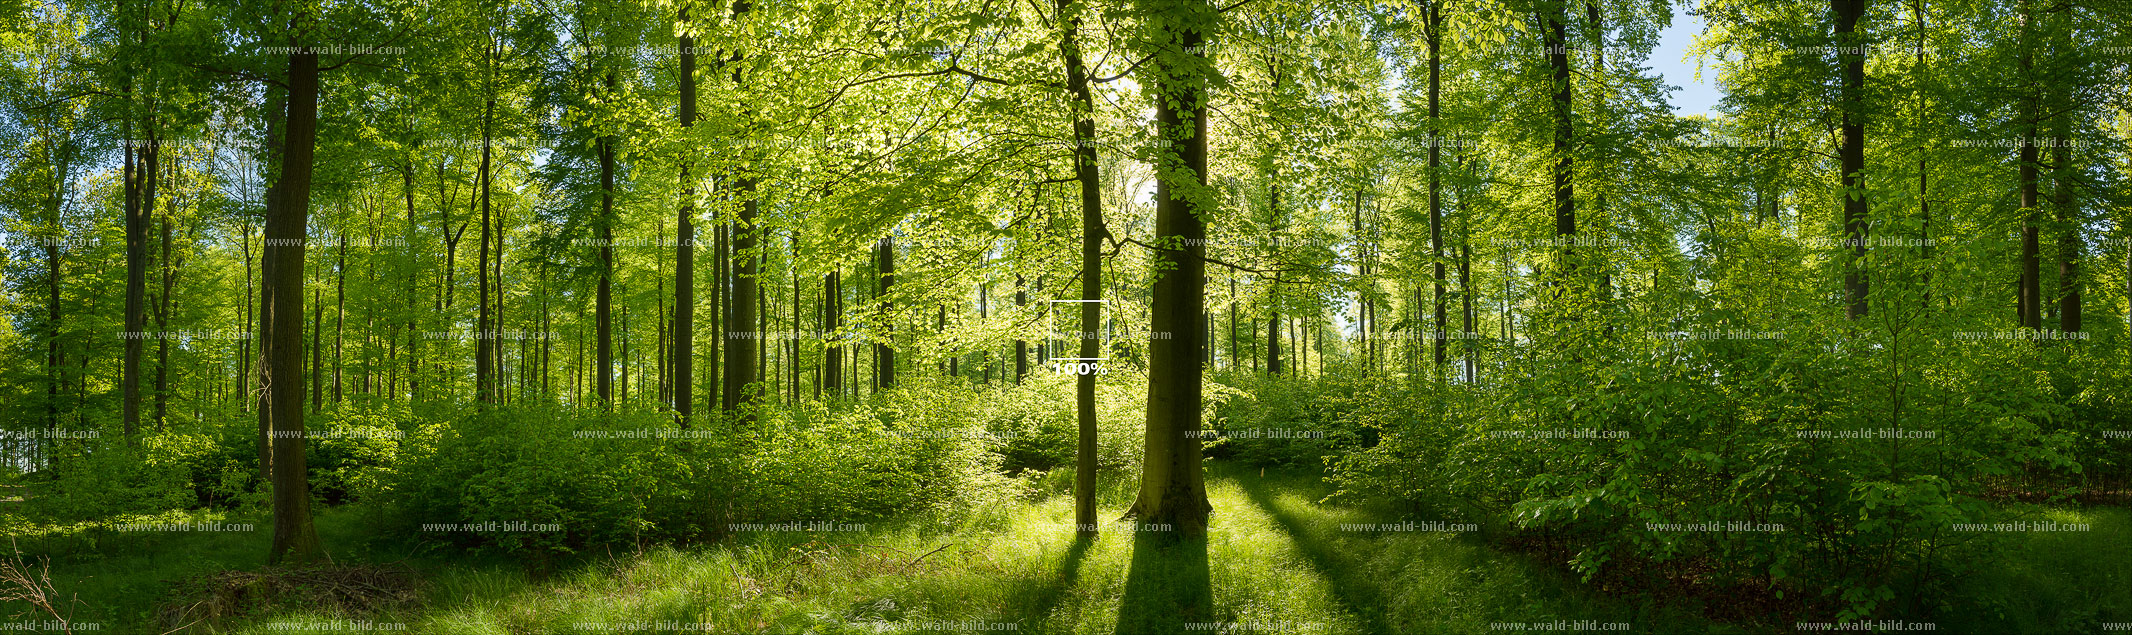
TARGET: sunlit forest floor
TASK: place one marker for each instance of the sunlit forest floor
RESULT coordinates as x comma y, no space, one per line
1275,561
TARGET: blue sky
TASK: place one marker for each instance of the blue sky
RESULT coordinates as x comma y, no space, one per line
1693,97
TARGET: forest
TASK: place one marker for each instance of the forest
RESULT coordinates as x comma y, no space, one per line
1065,316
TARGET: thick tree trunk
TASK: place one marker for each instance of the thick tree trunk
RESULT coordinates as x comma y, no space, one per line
281,315
1172,487
742,348
1273,339
139,172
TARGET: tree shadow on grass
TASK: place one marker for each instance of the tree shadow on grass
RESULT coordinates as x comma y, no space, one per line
1046,599
1168,586
1361,598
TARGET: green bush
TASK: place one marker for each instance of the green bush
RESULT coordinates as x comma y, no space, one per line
1609,457
1038,429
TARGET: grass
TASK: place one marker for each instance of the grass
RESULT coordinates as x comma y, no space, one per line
2054,581
1274,561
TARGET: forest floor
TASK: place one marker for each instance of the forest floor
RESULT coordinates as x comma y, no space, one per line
1274,561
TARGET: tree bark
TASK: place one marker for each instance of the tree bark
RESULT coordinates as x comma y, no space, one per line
1172,487
2069,244
1087,174
743,344
603,304
281,313
1021,346
1851,153
684,325
884,352
138,171
832,320
1436,213
1565,162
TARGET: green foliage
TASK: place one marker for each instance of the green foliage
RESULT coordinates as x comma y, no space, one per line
1036,434
1675,434
103,477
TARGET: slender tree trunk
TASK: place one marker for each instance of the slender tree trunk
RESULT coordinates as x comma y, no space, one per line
340,318
1465,296
1236,356
721,310
1021,347
603,304
2069,244
1851,153
162,325
832,321
414,342
1436,213
485,383
244,345
1565,161
1087,174
684,350
884,352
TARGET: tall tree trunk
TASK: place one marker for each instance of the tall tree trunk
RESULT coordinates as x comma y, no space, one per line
1021,346
1172,487
162,324
603,304
277,114
340,309
2069,245
721,310
2030,292
1087,174
318,373
485,382
1273,333
884,351
244,345
281,315
1565,162
684,328
743,344
1436,213
1235,347
832,321
1465,294
1851,153
139,170
414,341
